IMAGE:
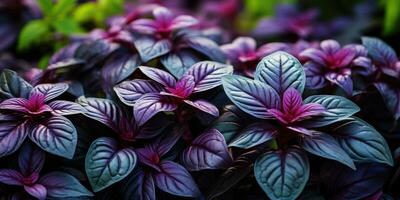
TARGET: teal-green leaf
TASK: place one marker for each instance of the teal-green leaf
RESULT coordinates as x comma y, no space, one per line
282,174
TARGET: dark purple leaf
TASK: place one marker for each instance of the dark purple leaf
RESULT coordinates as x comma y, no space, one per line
149,105
207,74
117,68
391,97
56,135
130,91
379,51
30,160
11,177
343,81
15,104
61,107
165,142
178,62
37,190
326,146
63,185
139,185
105,164
253,135
207,47
204,106
290,171
174,179
153,127
149,47
11,85
50,91
207,151
159,76
281,71
251,96
12,135
102,110
93,52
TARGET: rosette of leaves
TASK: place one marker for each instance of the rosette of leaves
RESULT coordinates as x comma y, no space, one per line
321,125
387,77
165,94
109,160
52,185
33,112
171,39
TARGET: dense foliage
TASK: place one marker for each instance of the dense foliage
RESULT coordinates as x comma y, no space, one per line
174,101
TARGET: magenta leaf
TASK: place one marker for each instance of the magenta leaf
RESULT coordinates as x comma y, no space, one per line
160,76
105,164
30,160
11,85
63,185
11,177
183,21
130,91
150,48
253,135
326,146
292,101
174,179
37,190
15,104
102,110
183,88
208,74
56,135
207,151
50,91
251,96
149,105
145,26
12,135
204,106
281,71
61,107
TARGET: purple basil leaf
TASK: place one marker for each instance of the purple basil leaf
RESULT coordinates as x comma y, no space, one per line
153,127
207,47
208,74
11,85
326,146
105,164
281,71
337,109
204,106
315,75
343,81
12,135
391,97
61,107
30,160
15,104
178,62
251,96
56,135
160,76
165,142
139,185
149,157
38,191
102,110
11,177
50,91
145,26
118,68
238,170
93,52
362,142
302,130
149,47
174,179
149,105
254,135
207,151
63,185
130,91
290,169
379,51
